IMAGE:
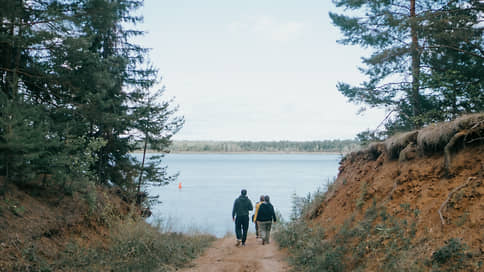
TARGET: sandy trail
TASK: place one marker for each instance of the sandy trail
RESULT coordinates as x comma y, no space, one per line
225,256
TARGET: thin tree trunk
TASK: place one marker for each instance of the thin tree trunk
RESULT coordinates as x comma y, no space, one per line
8,63
18,53
15,49
15,79
141,172
5,181
415,95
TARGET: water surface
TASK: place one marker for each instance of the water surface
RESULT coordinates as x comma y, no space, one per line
211,182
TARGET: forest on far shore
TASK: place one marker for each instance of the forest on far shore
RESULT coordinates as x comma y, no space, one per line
337,146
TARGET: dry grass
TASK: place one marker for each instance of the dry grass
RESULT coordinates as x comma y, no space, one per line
427,141
398,142
468,121
135,246
375,150
408,153
434,138
372,152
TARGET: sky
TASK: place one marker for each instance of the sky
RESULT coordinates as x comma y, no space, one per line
255,70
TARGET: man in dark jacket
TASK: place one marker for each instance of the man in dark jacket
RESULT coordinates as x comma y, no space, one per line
240,214
265,217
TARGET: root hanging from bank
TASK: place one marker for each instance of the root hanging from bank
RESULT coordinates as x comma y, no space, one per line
451,146
443,207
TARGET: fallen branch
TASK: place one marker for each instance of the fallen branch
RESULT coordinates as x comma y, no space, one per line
444,204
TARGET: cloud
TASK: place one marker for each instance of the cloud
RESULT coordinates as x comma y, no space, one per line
269,27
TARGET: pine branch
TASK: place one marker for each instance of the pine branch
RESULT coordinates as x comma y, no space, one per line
20,71
457,49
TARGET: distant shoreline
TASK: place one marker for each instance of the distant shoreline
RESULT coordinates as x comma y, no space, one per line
268,147
242,152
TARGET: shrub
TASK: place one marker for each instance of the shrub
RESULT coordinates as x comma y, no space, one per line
309,250
139,247
361,200
310,206
450,257
136,246
452,250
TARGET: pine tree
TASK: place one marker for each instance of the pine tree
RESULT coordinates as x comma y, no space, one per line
25,141
70,87
407,44
455,60
155,125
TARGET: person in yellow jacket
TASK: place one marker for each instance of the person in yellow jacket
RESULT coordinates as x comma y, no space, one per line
265,217
254,216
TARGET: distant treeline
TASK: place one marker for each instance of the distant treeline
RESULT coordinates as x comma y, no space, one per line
340,146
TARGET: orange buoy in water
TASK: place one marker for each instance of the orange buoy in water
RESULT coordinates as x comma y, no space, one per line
179,185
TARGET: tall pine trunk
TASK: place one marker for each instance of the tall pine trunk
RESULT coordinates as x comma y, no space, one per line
15,52
414,48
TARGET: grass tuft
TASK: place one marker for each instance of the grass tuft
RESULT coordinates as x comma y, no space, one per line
434,138
397,143
133,245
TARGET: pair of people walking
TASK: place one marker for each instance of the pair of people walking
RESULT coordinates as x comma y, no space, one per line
263,217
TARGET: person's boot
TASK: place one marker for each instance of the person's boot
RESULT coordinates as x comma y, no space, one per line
238,242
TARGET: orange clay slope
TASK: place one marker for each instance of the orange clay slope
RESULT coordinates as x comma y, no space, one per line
409,195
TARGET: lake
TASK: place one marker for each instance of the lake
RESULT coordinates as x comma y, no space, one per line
211,182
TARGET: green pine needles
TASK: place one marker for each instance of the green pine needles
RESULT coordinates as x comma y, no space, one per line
427,62
75,95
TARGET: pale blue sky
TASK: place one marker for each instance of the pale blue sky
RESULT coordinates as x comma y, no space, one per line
255,70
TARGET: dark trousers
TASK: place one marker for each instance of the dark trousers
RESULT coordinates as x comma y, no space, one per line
256,229
241,227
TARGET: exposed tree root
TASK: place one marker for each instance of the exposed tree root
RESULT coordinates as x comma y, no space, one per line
449,147
476,129
474,140
390,195
444,204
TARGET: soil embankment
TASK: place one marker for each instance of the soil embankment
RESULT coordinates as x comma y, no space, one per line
411,194
37,224
43,229
224,256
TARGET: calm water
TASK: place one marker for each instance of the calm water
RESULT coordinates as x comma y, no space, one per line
211,182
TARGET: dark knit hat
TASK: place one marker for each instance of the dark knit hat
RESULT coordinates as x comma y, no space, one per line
243,192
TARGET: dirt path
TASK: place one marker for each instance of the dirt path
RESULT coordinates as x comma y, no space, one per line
225,256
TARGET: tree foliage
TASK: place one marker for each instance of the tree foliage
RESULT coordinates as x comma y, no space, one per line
153,122
427,63
72,87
